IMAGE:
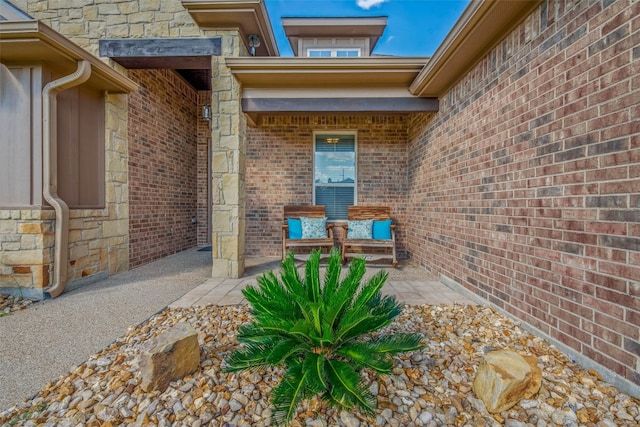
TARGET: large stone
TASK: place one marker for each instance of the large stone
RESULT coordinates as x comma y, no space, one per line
505,377
169,357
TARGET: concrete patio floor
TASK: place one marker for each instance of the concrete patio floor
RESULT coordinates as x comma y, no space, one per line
410,284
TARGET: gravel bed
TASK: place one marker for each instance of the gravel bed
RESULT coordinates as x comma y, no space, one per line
430,387
9,304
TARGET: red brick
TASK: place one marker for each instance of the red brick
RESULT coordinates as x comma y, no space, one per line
615,352
617,325
618,298
162,166
603,333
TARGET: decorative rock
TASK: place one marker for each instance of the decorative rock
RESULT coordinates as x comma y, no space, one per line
170,356
503,378
420,393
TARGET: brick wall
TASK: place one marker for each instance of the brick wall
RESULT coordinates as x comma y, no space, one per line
525,186
280,170
162,165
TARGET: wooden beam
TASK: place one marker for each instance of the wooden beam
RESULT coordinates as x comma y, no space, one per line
182,53
336,105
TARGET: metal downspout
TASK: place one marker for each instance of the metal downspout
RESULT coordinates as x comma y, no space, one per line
50,171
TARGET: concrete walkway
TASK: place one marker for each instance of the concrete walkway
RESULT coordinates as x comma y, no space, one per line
48,339
45,341
411,285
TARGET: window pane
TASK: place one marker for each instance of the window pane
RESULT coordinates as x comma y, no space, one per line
348,53
335,162
335,200
317,53
335,173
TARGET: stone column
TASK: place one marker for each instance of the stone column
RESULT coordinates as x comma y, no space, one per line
228,127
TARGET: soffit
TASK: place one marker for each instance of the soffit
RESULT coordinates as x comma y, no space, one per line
482,25
31,42
248,16
306,28
325,72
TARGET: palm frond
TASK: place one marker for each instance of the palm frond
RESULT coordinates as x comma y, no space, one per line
332,274
270,299
287,395
290,277
314,364
248,357
338,302
298,330
356,323
387,306
397,343
312,276
364,355
370,290
285,349
249,333
346,388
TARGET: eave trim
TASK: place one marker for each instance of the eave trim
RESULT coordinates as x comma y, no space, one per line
483,23
26,32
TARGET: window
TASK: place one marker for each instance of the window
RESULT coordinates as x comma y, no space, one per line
334,173
335,53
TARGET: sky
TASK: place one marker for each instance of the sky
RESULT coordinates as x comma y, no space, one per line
414,27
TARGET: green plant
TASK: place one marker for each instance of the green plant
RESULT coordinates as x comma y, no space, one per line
320,334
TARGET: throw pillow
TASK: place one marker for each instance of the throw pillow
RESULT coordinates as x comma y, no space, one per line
295,228
359,229
314,228
382,230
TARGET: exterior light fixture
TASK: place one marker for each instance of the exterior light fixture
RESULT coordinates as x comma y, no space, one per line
254,42
206,112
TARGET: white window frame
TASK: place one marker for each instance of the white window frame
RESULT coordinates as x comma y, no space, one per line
355,166
334,51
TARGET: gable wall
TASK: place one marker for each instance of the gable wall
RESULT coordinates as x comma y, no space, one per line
280,170
525,187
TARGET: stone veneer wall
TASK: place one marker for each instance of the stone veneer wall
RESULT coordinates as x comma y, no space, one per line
280,161
204,173
26,242
525,186
228,147
87,21
163,164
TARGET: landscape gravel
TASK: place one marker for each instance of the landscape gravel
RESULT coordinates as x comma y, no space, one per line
430,387
10,304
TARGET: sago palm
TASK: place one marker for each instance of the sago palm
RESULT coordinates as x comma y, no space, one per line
320,333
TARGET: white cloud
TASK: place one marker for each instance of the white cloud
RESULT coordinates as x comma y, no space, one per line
368,4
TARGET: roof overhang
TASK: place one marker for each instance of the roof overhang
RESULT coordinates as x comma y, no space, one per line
482,25
32,42
326,72
367,27
330,85
248,16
